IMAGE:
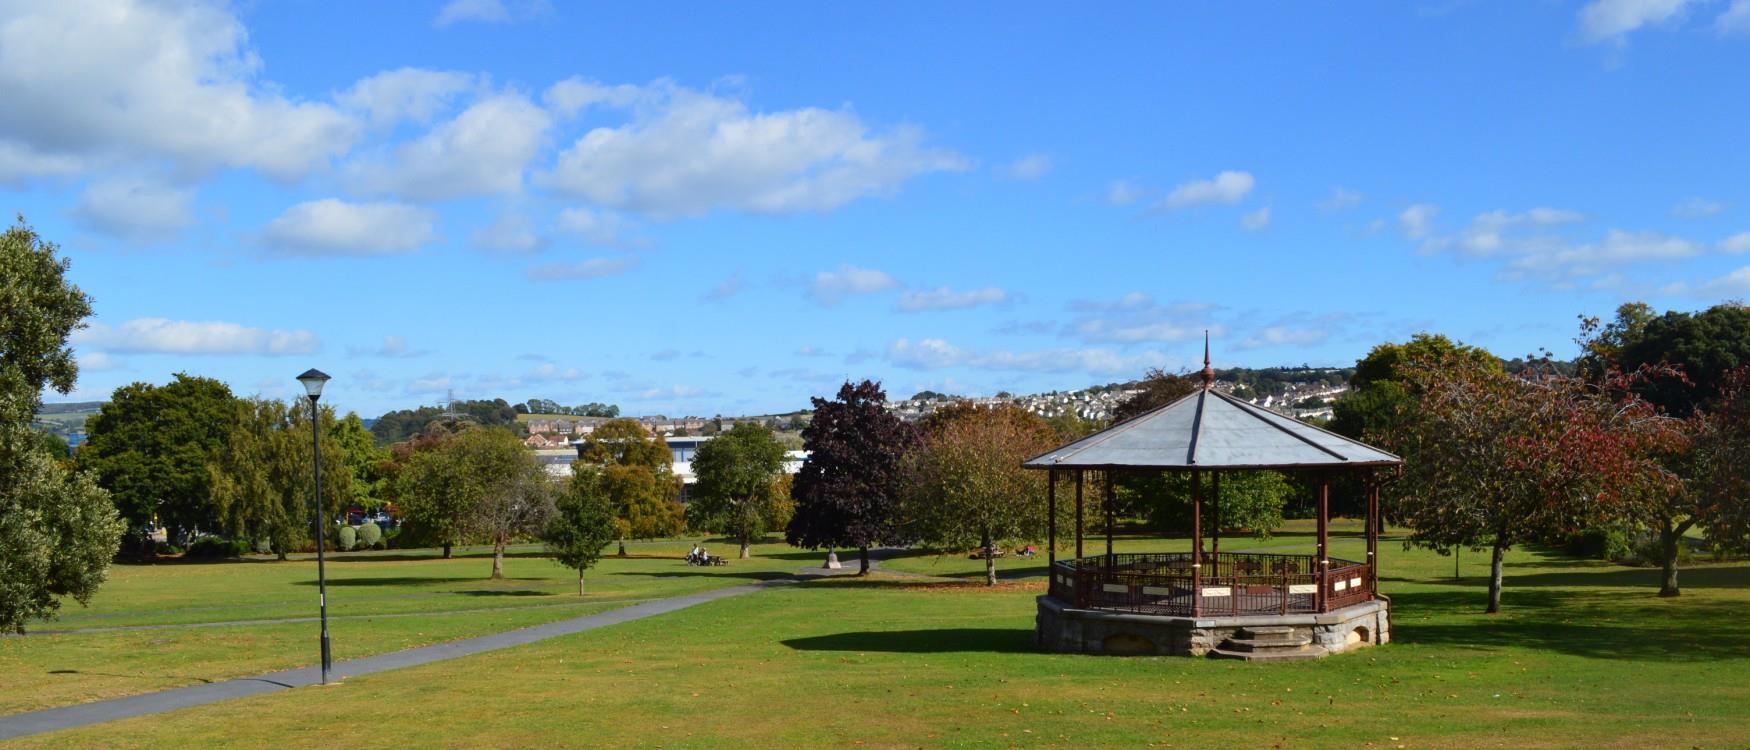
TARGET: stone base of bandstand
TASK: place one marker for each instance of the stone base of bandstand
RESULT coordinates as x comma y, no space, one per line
1062,628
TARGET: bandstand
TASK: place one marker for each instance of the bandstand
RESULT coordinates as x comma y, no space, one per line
1231,604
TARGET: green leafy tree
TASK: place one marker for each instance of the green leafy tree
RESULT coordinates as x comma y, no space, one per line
1705,346
637,473
1157,389
479,483
965,485
149,446
583,524
58,528
736,490
263,481
1496,460
847,494
364,459
1250,500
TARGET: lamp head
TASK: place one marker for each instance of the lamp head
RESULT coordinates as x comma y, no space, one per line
313,381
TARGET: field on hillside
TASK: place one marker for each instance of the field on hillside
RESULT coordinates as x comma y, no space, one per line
1585,656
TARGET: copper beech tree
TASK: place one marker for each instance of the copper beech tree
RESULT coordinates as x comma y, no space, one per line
1493,460
847,494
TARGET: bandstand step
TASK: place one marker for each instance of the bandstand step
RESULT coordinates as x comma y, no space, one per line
1261,645
1305,653
1267,632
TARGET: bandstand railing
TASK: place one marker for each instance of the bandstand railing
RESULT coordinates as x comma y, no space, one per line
1232,583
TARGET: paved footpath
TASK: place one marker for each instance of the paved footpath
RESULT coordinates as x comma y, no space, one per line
67,717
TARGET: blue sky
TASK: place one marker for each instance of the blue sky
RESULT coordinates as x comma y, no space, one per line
696,209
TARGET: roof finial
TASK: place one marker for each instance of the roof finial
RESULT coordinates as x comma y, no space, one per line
1208,373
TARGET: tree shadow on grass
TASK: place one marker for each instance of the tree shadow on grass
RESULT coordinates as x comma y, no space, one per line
945,640
405,581
505,592
1578,623
728,571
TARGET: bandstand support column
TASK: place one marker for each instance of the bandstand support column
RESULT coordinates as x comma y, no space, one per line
1196,544
1079,474
1324,540
1215,529
1050,523
1109,498
1373,535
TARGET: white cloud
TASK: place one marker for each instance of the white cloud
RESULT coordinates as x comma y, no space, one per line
138,210
831,287
550,373
935,354
1226,188
414,94
1697,208
510,231
1563,260
490,11
1029,167
1341,198
1137,318
686,153
392,346
1491,232
97,362
726,288
1737,243
1612,20
1417,221
944,298
163,336
810,351
480,152
1734,285
1123,193
1282,335
333,227
1256,221
593,268
599,227
1736,19
572,95
94,83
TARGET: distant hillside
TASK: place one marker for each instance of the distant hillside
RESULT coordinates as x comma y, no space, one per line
64,419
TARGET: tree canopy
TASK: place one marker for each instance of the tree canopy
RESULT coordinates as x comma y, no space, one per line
58,530
737,489
637,474
149,446
847,493
965,487
582,524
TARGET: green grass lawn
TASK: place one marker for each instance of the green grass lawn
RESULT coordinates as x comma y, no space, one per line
1586,656
377,602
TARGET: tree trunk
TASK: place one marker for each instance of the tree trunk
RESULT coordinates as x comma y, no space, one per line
1495,575
622,548
498,556
864,552
744,544
1670,540
990,562
446,550
580,581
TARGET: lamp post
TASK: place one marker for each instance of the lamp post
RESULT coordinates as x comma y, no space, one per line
313,380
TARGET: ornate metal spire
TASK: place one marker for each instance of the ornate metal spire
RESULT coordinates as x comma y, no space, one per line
1208,372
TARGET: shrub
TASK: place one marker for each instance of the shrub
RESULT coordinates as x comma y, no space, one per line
215,548
348,538
1601,544
370,536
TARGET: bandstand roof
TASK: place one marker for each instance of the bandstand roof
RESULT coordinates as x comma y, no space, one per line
1212,430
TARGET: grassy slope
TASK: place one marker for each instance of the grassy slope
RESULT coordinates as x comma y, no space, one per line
1586,656
377,603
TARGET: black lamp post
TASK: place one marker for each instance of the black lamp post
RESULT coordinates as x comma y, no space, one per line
313,381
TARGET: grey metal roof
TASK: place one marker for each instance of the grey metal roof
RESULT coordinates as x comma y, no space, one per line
1212,430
